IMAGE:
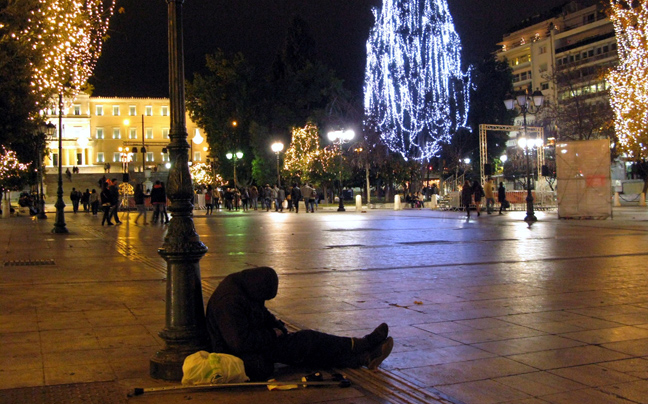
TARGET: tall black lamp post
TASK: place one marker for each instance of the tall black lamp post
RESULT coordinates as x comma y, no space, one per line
340,137
59,222
184,332
526,104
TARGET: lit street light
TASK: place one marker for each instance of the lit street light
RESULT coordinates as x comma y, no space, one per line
236,156
45,133
340,137
277,148
527,104
59,222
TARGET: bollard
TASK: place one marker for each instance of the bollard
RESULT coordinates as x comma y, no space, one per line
397,202
642,199
617,200
358,203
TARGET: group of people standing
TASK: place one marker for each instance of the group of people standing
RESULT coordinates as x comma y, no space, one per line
158,199
474,193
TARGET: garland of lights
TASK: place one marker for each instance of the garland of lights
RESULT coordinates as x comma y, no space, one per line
628,89
201,174
416,94
67,37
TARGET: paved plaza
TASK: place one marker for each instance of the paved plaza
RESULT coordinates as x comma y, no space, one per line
482,311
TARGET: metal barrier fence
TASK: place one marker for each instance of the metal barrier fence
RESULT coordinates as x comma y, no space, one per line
542,200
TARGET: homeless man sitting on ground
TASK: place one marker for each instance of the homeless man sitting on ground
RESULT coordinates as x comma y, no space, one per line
239,324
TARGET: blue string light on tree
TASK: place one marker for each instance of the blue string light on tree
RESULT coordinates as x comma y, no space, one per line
416,95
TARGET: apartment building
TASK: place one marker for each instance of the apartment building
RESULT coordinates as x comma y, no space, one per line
100,133
576,39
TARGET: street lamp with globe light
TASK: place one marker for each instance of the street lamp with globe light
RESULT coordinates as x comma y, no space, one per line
526,103
277,148
340,137
236,156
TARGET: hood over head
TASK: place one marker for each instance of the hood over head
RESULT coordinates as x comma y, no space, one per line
260,283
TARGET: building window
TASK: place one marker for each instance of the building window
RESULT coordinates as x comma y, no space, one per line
543,50
99,133
148,110
165,157
165,111
165,133
115,110
99,110
100,157
77,110
55,159
544,86
132,133
116,157
132,110
134,157
149,133
149,157
116,133
196,156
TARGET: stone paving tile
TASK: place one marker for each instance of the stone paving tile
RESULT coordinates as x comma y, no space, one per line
638,347
608,335
527,345
593,375
635,391
401,359
574,356
637,367
483,392
78,373
540,383
467,371
584,396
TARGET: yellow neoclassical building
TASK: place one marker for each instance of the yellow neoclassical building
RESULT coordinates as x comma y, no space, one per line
111,133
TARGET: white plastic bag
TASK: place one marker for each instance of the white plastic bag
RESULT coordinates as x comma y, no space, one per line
203,367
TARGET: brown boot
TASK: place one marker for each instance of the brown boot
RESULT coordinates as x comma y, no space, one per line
380,353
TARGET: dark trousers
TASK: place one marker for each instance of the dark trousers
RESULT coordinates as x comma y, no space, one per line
302,348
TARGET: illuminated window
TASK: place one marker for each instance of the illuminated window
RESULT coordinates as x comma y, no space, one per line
116,133
165,133
165,157
99,110
132,110
165,111
76,109
196,156
148,110
99,133
115,110
116,157
132,133
149,133
149,157
100,157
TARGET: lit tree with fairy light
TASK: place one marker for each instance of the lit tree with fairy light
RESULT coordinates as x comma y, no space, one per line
628,89
12,172
202,174
416,94
65,38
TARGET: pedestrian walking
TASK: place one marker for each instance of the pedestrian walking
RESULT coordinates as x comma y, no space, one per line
295,196
267,197
254,197
75,196
95,201
275,197
158,199
489,194
85,200
307,194
209,200
140,202
245,199
466,196
478,194
281,196
238,323
105,198
114,200
501,197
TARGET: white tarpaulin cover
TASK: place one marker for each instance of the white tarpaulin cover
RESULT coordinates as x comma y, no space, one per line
583,179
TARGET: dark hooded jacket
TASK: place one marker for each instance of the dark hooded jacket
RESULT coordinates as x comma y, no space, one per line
238,322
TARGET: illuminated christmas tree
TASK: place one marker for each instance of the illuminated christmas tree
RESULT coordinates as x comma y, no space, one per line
12,172
66,38
303,151
628,81
416,94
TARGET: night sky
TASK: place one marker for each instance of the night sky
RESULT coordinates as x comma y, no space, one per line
134,59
